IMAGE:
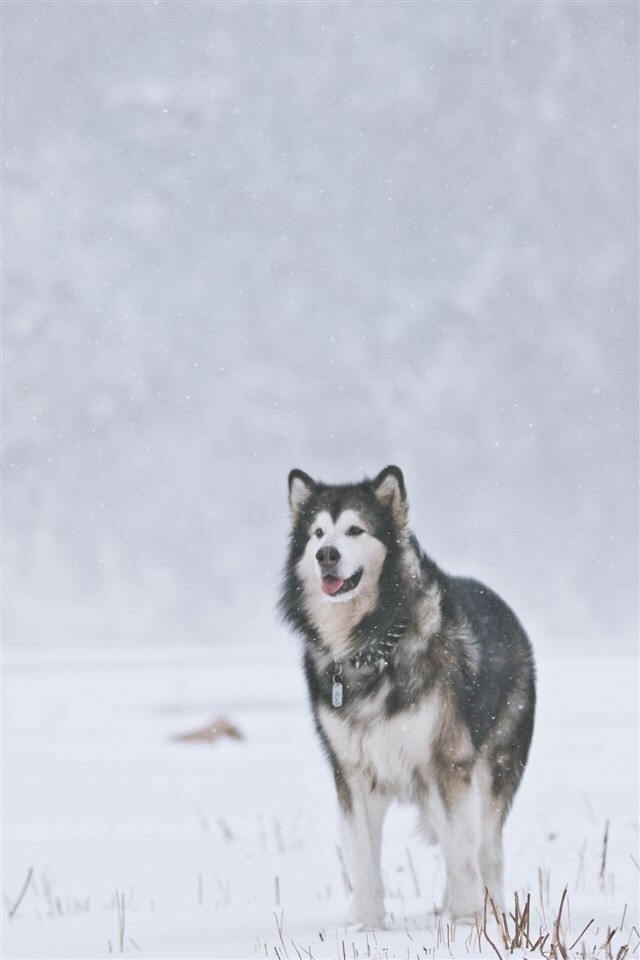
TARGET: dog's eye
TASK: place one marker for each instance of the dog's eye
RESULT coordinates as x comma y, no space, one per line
319,532
354,531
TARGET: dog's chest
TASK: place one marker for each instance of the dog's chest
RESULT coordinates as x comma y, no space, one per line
392,753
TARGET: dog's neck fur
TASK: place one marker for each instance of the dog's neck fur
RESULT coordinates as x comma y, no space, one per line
335,623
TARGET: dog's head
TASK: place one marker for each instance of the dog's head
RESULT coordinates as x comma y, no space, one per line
342,534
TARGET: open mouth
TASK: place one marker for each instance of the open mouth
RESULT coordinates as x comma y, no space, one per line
333,586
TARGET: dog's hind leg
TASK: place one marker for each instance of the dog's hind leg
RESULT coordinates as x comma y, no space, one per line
491,861
361,829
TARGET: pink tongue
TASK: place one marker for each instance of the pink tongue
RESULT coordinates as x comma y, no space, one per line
331,584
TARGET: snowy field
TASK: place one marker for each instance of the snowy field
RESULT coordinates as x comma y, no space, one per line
118,839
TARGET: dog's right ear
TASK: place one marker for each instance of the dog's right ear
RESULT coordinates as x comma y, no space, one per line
301,487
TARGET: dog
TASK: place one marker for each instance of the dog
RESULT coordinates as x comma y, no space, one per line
421,685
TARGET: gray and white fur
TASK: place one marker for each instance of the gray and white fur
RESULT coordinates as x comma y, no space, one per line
421,684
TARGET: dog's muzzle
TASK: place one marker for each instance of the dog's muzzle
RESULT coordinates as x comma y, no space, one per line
328,559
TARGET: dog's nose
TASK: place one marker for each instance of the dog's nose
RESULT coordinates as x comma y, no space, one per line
328,556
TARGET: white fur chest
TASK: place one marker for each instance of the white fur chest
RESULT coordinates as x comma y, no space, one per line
392,753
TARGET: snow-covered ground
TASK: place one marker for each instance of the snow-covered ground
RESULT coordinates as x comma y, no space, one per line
229,849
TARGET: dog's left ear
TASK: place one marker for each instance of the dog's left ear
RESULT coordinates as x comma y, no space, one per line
301,487
390,490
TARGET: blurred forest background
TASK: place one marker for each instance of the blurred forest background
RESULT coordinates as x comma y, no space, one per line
243,237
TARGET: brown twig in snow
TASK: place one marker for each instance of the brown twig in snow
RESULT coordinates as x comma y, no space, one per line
25,887
279,926
580,935
605,843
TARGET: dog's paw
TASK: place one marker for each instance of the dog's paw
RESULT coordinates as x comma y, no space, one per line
366,917
367,913
442,908
360,925
465,916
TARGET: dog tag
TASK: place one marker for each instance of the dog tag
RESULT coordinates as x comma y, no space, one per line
336,689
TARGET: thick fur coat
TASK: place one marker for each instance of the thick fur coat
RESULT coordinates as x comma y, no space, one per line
421,685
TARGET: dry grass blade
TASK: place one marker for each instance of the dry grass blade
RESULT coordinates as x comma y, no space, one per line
25,886
540,942
556,941
492,944
541,885
484,926
279,926
606,946
526,920
501,921
580,935
121,919
521,920
605,844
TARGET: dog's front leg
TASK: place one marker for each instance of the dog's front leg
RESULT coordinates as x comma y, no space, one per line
455,809
361,829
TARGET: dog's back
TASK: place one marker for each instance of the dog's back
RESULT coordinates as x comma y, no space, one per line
497,698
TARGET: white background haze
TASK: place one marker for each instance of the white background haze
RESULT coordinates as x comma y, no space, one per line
243,237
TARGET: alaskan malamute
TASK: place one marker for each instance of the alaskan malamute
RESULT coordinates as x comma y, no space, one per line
421,685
